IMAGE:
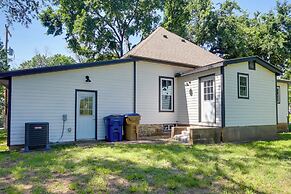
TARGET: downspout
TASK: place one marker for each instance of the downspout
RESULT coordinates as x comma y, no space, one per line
288,120
9,111
134,86
222,98
222,102
276,99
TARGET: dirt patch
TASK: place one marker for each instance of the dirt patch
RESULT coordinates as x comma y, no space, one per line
117,183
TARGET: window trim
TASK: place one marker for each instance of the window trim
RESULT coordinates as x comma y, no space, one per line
173,94
200,98
278,95
238,85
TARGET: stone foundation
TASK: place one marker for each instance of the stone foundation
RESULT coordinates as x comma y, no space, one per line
150,130
205,135
249,133
282,127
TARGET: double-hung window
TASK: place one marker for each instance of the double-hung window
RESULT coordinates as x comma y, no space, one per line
243,85
166,94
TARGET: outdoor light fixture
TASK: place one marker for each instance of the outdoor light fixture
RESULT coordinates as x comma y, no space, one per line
87,78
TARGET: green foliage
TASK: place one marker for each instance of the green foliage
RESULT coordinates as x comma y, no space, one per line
3,67
176,16
257,167
20,11
101,29
45,61
3,58
230,32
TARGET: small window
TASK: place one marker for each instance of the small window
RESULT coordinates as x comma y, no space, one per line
243,85
278,95
166,94
252,65
86,106
208,90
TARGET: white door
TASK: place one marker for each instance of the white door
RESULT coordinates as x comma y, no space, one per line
85,115
207,99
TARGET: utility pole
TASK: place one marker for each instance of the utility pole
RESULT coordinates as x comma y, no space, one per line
7,35
5,115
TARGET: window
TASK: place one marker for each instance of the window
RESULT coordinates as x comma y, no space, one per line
208,90
166,94
86,106
278,95
243,85
252,65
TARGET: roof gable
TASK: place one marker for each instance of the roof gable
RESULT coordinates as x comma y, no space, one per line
166,46
256,59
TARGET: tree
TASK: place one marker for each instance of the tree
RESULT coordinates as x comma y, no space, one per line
176,16
3,62
3,67
101,29
45,61
229,32
219,30
21,11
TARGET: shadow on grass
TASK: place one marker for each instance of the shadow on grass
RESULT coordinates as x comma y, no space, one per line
162,168
93,174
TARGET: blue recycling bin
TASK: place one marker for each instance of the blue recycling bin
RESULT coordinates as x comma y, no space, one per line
114,127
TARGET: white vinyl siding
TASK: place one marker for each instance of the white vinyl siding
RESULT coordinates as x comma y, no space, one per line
260,107
188,95
46,97
147,91
283,106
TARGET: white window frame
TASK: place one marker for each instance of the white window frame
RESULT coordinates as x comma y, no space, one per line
239,75
161,79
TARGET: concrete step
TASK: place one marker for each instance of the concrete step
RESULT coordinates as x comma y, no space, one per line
185,132
184,137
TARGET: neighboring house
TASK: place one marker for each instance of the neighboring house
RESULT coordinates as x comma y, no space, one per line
165,78
283,104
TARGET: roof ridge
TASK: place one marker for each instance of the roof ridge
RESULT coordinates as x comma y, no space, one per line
191,43
141,43
163,44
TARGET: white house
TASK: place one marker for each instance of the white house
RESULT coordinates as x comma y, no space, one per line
283,104
166,79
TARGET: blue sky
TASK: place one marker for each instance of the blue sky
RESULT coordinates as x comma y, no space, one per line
26,42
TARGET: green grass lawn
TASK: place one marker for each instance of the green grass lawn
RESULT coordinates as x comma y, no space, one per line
259,167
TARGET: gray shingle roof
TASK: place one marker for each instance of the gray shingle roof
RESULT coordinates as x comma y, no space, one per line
163,45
